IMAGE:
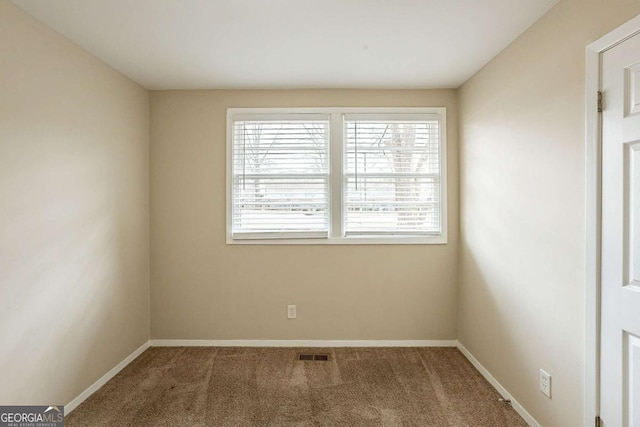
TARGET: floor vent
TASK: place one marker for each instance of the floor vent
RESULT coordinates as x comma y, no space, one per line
321,357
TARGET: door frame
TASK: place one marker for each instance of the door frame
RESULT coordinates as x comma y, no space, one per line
593,149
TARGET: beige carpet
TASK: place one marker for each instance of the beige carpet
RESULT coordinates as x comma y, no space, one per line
207,386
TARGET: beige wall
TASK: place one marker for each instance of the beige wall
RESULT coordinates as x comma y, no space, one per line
74,276
205,289
522,213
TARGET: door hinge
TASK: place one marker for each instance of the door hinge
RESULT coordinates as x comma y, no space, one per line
598,422
600,102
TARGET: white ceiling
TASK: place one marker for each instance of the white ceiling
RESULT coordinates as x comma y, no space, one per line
188,44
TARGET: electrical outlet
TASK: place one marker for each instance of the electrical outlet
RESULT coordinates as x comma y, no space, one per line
545,383
291,312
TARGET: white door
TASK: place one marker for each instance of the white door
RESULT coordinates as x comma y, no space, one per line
620,322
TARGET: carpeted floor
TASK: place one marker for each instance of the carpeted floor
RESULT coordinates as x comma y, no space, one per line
214,386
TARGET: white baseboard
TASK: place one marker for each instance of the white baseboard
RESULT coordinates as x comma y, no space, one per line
503,391
102,381
304,343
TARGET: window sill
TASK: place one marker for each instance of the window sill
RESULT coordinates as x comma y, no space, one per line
431,240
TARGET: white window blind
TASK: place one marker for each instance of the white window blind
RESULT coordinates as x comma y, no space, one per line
392,176
336,175
280,175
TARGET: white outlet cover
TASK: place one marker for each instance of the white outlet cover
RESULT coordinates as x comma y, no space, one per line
291,311
545,383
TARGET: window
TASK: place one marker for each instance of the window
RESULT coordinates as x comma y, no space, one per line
336,175
281,177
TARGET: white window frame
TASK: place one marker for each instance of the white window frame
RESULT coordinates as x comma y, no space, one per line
336,155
